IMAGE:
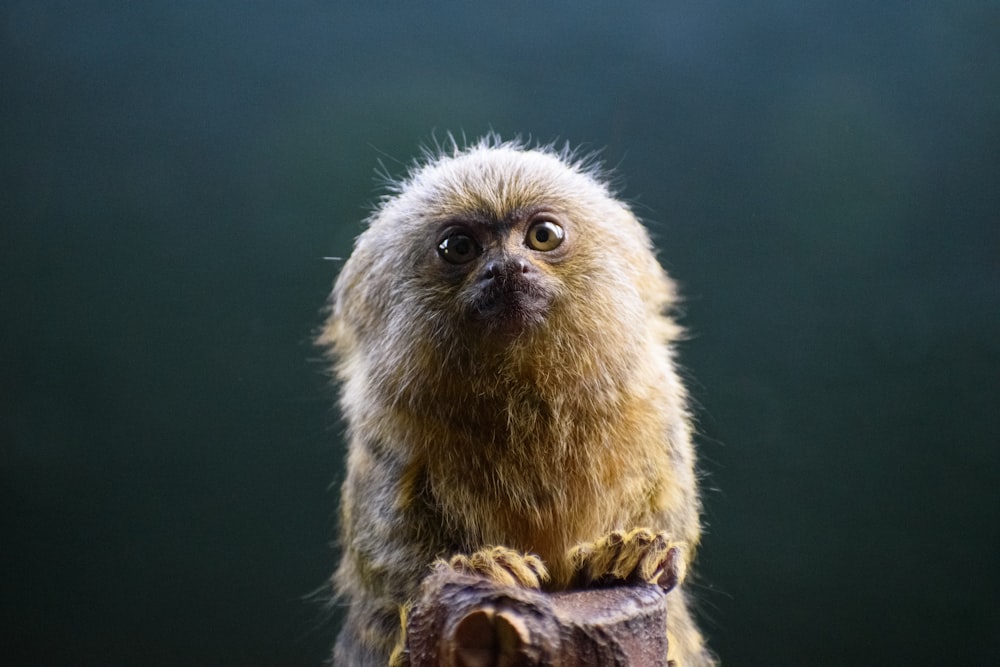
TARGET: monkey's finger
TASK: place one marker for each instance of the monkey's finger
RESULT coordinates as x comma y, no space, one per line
526,569
634,549
602,556
672,568
650,564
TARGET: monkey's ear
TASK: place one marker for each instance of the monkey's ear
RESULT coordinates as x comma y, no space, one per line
331,334
359,298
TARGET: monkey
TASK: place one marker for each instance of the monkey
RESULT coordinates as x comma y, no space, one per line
503,340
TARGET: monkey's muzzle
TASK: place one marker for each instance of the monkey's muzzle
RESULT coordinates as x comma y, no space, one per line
510,296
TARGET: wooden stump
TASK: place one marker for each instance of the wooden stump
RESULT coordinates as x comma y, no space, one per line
468,621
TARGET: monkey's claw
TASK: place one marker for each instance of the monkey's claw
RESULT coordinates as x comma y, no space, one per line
639,555
502,565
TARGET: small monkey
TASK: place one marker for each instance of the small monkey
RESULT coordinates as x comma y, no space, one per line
502,339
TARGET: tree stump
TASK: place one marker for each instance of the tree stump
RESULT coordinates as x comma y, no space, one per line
468,621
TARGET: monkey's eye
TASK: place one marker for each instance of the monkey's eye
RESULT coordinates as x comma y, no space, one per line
545,235
459,249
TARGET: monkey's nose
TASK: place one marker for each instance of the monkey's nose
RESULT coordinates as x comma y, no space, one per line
505,270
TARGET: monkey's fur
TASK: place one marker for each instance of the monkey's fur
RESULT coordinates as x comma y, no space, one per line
512,401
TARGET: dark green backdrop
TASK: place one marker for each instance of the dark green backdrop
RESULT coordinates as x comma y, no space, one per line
822,178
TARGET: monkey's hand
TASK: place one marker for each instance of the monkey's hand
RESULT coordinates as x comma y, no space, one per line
502,565
637,556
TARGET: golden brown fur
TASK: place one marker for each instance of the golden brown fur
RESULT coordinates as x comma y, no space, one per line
524,399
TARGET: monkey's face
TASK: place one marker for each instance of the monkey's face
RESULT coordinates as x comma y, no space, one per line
497,250
504,271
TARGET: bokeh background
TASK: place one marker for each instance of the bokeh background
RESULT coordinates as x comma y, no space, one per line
822,178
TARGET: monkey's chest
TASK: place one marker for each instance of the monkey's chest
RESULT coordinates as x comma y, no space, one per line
545,512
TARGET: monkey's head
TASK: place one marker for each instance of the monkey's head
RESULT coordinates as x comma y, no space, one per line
497,259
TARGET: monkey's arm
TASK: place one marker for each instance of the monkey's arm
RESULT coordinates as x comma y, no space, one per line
390,536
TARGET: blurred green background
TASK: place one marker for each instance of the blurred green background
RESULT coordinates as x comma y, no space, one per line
823,179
